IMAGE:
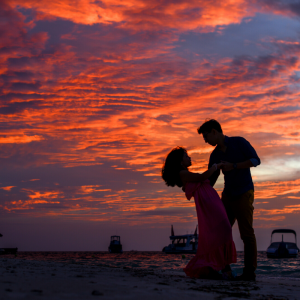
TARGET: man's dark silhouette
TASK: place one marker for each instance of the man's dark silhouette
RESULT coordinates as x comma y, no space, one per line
238,157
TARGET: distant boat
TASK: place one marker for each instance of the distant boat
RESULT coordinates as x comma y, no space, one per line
8,250
186,243
283,249
115,245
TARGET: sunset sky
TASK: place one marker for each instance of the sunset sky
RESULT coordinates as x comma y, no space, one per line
94,94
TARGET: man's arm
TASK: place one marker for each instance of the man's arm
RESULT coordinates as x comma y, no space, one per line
249,152
228,166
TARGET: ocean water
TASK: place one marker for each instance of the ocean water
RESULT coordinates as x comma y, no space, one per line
267,267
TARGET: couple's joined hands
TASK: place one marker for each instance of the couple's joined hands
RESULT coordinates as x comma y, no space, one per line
225,166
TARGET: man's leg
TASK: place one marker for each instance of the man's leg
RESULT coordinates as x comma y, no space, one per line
227,202
243,209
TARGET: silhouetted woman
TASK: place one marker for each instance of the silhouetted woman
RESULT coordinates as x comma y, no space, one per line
216,249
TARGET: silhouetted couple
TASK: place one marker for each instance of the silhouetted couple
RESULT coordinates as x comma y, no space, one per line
216,249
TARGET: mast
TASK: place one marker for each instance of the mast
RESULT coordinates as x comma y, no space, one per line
172,230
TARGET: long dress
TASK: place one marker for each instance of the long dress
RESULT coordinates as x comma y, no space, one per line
216,248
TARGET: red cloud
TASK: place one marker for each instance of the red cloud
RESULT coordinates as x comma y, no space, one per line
117,95
152,15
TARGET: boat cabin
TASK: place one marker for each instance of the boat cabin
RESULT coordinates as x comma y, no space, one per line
186,243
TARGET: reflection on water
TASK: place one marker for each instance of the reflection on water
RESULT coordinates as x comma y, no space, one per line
287,267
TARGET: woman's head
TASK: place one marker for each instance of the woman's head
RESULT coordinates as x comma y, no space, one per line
176,161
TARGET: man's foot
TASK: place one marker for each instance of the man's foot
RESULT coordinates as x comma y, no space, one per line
246,277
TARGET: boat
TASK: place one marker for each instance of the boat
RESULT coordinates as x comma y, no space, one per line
4,251
7,250
283,249
186,243
115,245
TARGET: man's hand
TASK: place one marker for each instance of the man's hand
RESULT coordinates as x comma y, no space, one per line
227,166
220,165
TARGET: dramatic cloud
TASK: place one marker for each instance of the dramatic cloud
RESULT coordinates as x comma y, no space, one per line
145,15
94,94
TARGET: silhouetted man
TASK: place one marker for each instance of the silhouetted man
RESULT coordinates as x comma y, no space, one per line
238,157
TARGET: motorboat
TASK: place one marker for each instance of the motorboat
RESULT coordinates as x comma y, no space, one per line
115,245
283,249
186,243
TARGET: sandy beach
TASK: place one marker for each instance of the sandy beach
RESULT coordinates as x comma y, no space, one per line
29,279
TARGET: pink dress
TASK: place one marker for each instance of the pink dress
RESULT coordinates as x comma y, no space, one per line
216,248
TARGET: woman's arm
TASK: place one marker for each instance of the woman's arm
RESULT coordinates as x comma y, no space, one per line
187,176
212,160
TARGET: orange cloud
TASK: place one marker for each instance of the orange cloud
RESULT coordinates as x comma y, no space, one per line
117,96
270,189
19,139
7,188
87,189
39,195
145,14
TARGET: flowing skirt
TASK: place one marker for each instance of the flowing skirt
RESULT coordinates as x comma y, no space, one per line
216,248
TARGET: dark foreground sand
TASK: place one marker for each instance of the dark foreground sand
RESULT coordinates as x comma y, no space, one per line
25,279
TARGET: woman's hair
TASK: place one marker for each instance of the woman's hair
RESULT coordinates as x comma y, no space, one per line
172,167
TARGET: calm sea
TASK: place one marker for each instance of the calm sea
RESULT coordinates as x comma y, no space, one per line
267,267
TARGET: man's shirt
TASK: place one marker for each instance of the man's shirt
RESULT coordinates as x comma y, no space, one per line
237,181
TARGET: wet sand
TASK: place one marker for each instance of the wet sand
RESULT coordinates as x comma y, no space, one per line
29,279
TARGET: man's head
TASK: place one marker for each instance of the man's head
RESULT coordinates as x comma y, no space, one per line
211,131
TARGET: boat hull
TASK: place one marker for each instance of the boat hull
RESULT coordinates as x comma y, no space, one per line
180,251
115,249
272,255
282,250
4,251
278,254
172,249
